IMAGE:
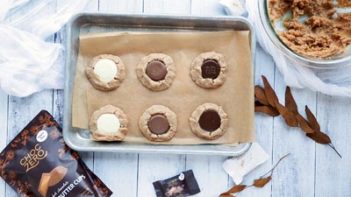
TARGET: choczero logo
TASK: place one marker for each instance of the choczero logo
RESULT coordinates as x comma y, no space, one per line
31,159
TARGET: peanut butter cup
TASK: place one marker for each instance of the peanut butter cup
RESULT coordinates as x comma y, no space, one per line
208,121
158,123
208,70
156,71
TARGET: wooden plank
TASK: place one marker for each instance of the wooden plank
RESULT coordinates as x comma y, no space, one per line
92,5
23,110
3,129
333,175
209,173
179,7
206,8
121,6
157,167
294,177
264,126
119,171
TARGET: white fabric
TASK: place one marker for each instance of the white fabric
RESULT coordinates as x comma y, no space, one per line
331,81
28,63
239,167
233,7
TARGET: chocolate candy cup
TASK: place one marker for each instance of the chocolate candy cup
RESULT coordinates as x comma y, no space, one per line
158,123
208,121
156,70
210,69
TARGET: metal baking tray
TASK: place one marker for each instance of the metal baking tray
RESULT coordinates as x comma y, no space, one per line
85,23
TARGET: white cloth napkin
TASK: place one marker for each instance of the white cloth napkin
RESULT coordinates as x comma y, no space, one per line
28,63
332,81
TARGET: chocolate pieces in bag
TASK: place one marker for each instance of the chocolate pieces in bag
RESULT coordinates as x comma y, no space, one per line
37,162
180,185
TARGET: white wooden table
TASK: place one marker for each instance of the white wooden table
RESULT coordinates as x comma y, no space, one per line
310,170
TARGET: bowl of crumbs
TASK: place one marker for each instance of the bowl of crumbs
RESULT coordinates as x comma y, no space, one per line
313,33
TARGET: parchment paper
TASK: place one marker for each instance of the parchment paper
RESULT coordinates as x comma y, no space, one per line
235,95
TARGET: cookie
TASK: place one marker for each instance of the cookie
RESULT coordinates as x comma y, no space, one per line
108,123
156,71
208,70
208,121
106,72
158,123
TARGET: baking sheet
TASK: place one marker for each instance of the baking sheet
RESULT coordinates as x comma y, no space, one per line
184,95
86,23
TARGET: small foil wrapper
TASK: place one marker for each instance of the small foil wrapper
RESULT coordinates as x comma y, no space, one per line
181,185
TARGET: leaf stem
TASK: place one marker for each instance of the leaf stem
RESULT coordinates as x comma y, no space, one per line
271,170
333,147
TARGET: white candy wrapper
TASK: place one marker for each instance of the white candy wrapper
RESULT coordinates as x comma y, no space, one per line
238,167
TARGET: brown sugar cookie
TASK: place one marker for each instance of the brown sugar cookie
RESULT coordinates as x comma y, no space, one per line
158,123
208,121
108,123
208,70
105,72
156,71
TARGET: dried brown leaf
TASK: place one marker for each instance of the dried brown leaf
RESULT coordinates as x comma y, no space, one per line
269,92
319,137
226,195
290,102
288,116
261,182
233,190
237,188
289,112
304,124
258,103
267,110
260,95
312,121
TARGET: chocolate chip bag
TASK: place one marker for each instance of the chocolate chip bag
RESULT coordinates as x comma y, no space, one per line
37,162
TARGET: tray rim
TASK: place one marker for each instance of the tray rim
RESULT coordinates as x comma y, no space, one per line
148,148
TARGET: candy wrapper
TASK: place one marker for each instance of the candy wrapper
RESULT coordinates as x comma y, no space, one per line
180,185
37,162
